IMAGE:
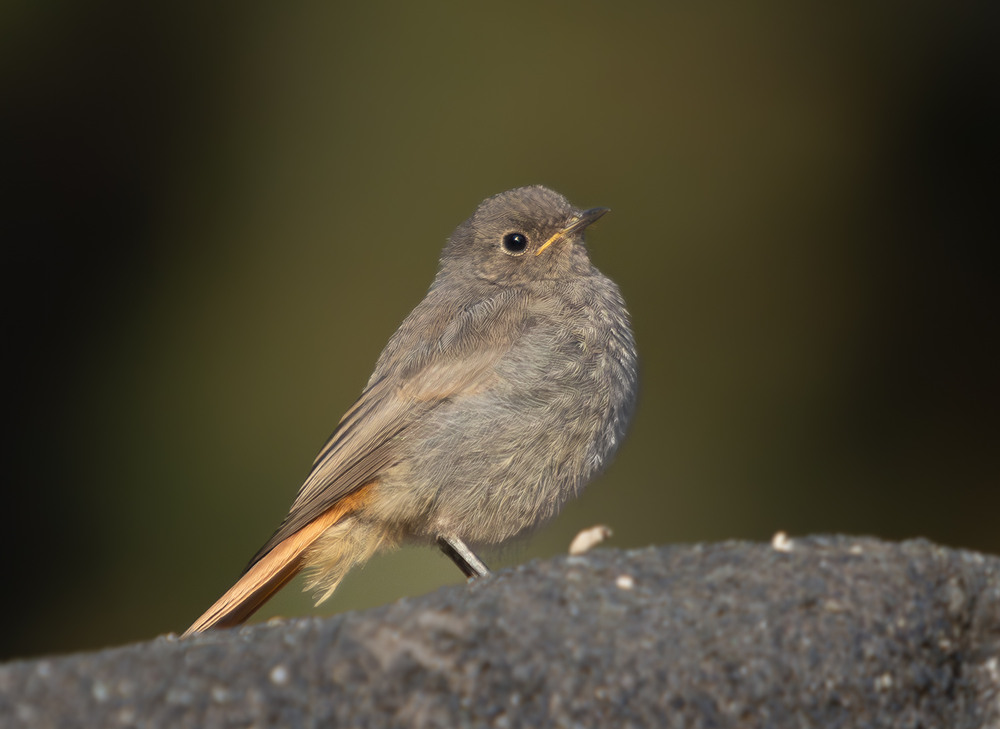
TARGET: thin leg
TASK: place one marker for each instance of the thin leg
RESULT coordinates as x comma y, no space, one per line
462,556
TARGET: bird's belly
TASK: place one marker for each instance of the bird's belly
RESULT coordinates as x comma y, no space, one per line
502,463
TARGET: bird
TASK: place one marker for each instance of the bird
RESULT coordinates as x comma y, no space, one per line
501,395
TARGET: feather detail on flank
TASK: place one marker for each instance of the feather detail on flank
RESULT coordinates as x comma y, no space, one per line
348,543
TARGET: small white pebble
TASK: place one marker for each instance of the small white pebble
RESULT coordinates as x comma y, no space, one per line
856,549
992,667
588,539
883,682
781,543
625,582
100,691
279,675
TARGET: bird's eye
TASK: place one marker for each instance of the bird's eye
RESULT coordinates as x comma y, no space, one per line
515,243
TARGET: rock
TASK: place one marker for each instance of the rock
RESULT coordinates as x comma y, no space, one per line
820,632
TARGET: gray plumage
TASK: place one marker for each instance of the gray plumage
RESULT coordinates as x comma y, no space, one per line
498,398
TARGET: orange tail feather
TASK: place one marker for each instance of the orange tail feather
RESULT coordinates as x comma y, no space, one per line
270,573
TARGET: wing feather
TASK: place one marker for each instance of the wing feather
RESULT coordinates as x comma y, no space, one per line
367,439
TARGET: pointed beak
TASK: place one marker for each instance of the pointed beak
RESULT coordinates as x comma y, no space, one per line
579,222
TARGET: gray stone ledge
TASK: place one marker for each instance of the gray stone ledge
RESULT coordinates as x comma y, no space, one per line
834,632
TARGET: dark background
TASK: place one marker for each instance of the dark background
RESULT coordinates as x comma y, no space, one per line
214,218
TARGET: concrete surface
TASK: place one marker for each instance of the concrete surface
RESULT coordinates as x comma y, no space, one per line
821,632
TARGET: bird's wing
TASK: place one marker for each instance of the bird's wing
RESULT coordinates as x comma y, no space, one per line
344,471
367,438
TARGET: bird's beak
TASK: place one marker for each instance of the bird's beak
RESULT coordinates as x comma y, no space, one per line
579,222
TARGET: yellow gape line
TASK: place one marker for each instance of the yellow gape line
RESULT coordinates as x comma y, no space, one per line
549,242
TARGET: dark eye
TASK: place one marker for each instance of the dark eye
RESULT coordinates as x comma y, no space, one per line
515,243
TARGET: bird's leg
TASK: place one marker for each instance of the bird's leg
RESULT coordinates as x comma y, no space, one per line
462,556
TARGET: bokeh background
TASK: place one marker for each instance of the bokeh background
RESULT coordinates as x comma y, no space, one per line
214,217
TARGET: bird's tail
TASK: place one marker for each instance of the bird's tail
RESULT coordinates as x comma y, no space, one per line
331,544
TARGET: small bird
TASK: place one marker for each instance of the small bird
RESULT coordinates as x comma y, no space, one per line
499,397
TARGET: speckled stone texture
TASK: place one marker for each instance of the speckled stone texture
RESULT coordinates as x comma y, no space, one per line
832,632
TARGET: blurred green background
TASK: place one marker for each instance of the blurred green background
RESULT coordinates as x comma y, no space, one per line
214,217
